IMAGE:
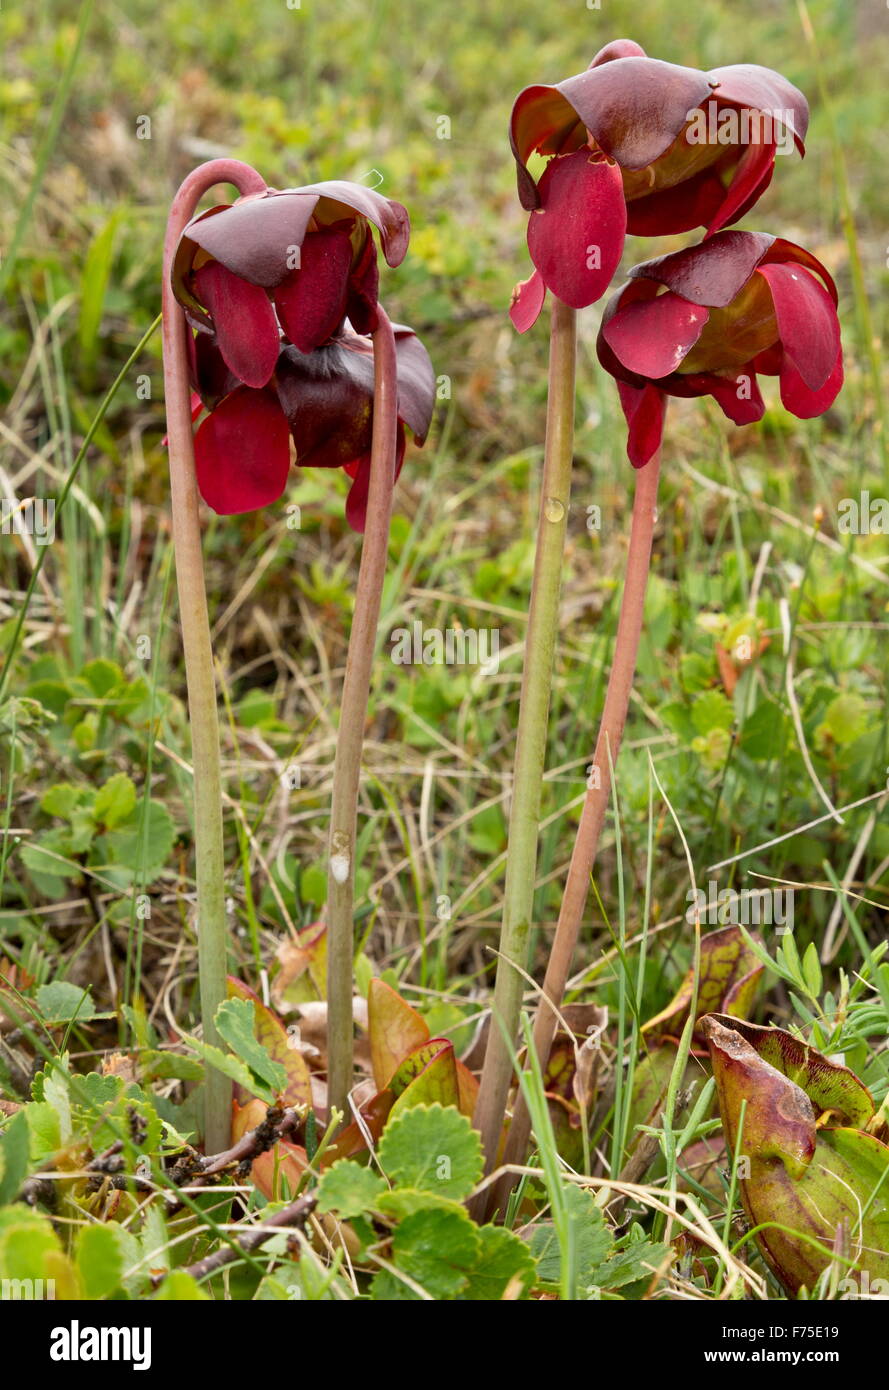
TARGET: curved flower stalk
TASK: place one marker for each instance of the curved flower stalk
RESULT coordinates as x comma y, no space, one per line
708,320
267,307
373,486
813,1180
209,854
641,146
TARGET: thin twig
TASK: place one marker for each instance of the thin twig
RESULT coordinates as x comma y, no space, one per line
295,1215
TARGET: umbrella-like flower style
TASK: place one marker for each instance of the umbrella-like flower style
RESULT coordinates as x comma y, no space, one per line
304,258
322,398
707,320
643,146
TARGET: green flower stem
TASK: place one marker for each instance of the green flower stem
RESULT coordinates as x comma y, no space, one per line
614,715
543,622
209,850
353,714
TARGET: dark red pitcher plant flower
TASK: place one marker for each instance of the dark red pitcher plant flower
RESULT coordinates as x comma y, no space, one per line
635,145
708,320
281,291
641,146
272,316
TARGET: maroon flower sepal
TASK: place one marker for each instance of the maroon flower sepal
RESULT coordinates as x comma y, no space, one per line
321,400
641,146
707,320
292,265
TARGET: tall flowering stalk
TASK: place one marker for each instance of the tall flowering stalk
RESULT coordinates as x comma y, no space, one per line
272,325
631,148
530,757
197,646
586,844
353,713
704,321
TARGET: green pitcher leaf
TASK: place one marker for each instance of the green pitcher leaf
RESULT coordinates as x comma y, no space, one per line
729,975
802,1179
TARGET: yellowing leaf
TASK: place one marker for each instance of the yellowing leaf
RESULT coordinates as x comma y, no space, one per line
427,1075
395,1030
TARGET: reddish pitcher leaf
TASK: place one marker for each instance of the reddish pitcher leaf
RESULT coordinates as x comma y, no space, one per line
803,1185
395,1030
730,973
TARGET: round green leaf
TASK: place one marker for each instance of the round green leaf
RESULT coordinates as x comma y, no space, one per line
433,1148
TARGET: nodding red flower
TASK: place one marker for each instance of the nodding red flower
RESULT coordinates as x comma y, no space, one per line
295,263
323,399
705,321
641,146
281,290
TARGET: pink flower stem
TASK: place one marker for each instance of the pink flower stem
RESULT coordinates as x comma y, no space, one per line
353,715
583,858
199,674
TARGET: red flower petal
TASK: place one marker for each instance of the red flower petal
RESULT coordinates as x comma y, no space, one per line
244,320
527,302
712,273
807,322
782,251
652,338
740,399
256,237
242,453
751,178
691,203
364,284
643,408
803,402
311,302
356,502
577,236
339,199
